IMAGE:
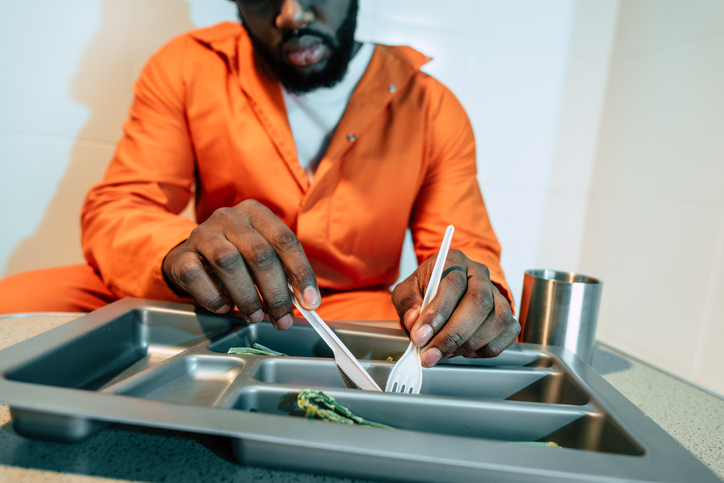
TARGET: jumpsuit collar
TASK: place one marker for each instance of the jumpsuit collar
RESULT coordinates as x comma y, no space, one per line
387,74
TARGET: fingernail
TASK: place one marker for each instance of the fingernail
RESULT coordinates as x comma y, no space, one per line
311,297
223,309
423,335
472,355
257,316
431,357
285,322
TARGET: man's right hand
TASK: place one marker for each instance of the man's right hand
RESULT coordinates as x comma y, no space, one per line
234,250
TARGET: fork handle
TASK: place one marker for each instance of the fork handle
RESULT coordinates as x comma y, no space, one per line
438,268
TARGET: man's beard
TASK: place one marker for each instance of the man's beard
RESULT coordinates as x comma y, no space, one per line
340,46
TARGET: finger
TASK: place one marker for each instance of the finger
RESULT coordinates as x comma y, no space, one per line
266,270
189,272
407,299
470,313
230,269
435,316
290,253
496,346
498,321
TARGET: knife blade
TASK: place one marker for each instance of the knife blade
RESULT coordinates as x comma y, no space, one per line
346,362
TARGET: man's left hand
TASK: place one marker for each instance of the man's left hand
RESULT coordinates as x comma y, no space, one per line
468,316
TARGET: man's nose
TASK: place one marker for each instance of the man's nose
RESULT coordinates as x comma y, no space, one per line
293,16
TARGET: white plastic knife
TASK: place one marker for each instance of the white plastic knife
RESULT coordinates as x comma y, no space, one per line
346,362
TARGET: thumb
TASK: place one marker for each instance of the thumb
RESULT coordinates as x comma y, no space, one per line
407,300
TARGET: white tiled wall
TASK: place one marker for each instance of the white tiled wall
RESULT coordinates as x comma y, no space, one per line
66,71
655,223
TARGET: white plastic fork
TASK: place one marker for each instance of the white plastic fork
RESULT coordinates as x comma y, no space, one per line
406,376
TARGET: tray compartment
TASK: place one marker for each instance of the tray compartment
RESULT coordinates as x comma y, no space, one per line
555,388
194,379
449,381
530,385
596,432
125,346
311,372
430,415
509,358
303,341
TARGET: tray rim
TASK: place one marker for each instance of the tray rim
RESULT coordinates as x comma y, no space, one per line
259,428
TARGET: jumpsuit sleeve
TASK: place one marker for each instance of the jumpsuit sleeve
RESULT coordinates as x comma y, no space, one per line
450,193
131,220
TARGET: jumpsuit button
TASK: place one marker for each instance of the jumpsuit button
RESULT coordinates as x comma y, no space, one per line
392,88
351,137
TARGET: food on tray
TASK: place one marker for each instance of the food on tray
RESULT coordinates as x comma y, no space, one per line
256,349
542,444
319,405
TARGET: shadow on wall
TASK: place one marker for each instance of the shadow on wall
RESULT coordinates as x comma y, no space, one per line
109,66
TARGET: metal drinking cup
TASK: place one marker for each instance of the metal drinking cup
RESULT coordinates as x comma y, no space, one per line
560,309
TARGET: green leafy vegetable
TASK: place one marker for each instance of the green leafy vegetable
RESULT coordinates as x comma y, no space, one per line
319,405
256,349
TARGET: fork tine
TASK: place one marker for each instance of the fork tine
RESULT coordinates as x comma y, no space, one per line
404,384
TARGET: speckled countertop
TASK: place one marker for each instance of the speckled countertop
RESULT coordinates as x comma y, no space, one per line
129,453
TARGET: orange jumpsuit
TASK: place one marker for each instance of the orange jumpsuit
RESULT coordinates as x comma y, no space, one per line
208,121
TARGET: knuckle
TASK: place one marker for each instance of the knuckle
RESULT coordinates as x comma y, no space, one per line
304,278
262,257
287,242
485,270
196,235
226,260
223,213
279,304
467,347
439,319
249,203
452,339
250,207
189,273
211,301
493,349
483,301
458,280
455,254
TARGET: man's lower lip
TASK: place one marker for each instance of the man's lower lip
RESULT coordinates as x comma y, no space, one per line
308,56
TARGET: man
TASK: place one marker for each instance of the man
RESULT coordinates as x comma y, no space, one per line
310,155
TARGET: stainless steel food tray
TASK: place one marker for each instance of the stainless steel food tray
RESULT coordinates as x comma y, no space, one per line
163,365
